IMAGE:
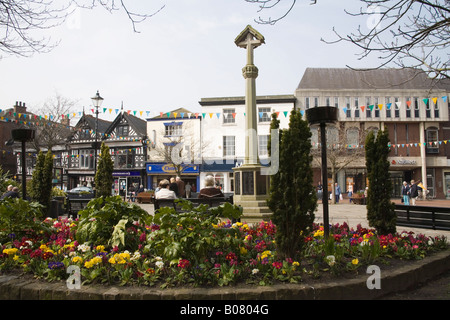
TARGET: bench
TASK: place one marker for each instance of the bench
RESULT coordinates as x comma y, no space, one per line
436,218
358,200
74,205
144,197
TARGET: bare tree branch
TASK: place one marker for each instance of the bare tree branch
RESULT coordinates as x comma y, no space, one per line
21,20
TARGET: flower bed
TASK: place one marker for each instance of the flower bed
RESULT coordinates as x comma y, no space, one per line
195,248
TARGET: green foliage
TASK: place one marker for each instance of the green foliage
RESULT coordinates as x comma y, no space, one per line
380,209
103,177
41,183
112,221
292,194
5,181
19,217
189,234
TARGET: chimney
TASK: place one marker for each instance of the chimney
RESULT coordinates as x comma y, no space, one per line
20,107
65,121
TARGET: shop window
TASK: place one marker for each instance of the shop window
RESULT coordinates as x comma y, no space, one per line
229,146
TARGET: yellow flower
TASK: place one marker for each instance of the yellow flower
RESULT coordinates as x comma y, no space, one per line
243,250
355,261
295,264
16,257
10,251
100,248
77,259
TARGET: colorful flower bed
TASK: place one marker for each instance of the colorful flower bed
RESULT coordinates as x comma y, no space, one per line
199,249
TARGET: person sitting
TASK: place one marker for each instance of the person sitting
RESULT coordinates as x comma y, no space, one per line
210,190
14,193
165,192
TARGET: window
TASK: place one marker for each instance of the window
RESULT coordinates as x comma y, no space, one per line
408,107
262,145
307,104
368,109
85,134
316,101
432,140
229,115
428,108
356,108
229,146
87,159
436,110
173,129
315,137
348,107
352,138
332,137
336,102
396,108
122,131
416,107
327,101
388,106
264,114
376,107
124,158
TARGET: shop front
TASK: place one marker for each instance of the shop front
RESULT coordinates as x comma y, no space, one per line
126,181
157,171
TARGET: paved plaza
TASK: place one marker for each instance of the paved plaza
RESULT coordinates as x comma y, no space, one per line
354,214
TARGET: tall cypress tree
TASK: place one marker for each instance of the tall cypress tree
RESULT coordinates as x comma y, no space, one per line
41,183
104,177
292,195
47,185
380,209
37,177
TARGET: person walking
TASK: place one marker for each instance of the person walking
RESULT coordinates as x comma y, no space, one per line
405,193
337,192
188,190
414,192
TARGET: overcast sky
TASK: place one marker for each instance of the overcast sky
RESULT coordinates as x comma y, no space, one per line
184,53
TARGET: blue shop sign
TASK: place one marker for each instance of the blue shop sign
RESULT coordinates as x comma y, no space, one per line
158,168
126,174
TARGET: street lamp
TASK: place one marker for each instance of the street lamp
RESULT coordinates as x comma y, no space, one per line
97,101
322,116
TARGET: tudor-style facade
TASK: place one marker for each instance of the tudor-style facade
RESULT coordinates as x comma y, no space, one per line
126,138
81,152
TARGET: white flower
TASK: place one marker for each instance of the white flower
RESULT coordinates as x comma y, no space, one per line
158,259
84,247
135,256
255,271
159,264
331,260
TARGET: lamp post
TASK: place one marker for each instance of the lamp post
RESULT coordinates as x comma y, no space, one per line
23,135
97,101
322,116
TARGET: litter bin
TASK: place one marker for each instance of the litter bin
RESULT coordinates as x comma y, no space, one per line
56,207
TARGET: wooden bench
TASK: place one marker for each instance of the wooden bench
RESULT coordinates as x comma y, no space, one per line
74,205
436,218
144,197
358,200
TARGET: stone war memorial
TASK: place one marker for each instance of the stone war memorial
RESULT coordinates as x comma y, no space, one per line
251,184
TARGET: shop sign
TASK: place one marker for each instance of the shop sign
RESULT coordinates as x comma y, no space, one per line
404,162
158,168
126,174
